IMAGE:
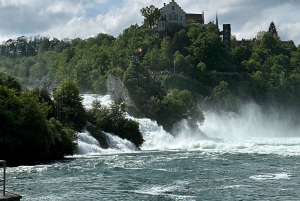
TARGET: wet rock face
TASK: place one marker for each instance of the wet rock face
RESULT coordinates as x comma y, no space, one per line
99,136
116,89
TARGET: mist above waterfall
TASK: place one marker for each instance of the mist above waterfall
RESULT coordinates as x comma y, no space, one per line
251,121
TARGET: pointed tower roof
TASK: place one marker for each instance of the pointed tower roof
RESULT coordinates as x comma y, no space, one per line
217,20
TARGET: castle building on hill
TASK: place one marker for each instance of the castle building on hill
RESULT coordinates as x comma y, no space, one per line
172,13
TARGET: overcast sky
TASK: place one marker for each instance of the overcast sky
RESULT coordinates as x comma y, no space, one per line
86,18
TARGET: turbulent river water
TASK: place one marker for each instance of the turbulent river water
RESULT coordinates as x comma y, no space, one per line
253,162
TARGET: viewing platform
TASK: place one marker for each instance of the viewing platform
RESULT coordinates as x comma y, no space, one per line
4,195
9,196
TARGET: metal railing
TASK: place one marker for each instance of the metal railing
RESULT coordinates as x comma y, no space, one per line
3,163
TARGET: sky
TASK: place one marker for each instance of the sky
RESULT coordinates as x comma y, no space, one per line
87,18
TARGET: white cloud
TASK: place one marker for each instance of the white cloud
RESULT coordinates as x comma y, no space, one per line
73,18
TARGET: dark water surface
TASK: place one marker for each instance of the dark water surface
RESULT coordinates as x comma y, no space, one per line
252,163
161,175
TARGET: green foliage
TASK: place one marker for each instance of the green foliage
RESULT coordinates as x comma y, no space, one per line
224,99
151,15
272,29
10,82
139,84
181,82
259,84
113,120
62,139
177,105
26,134
208,48
23,123
68,102
155,60
262,69
241,54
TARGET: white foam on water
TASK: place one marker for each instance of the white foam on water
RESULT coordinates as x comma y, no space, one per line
249,131
87,144
156,138
271,176
117,143
164,190
89,98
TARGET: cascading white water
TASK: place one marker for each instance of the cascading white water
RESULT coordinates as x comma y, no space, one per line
253,131
116,143
250,131
155,136
87,144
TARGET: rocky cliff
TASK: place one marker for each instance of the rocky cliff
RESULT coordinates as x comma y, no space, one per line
116,89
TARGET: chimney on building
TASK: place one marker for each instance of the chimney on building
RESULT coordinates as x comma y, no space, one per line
164,4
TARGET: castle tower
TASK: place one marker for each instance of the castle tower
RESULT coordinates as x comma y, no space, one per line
217,20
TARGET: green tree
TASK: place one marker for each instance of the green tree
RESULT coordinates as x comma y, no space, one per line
209,49
173,107
151,15
224,98
68,102
26,133
113,120
272,29
239,54
139,84
259,86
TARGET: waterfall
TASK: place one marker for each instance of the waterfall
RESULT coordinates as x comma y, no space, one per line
87,144
248,131
156,138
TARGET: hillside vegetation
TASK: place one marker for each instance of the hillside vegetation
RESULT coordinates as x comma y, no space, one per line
170,75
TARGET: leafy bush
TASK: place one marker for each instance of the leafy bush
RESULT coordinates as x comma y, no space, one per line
177,105
113,120
68,103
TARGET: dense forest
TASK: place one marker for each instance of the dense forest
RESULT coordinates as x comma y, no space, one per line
170,76
190,64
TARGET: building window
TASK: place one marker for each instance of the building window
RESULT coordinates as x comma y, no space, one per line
173,16
163,24
181,18
173,7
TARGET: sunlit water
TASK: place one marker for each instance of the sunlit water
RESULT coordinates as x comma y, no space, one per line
254,162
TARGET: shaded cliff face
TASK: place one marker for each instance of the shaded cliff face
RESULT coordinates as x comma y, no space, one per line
117,89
